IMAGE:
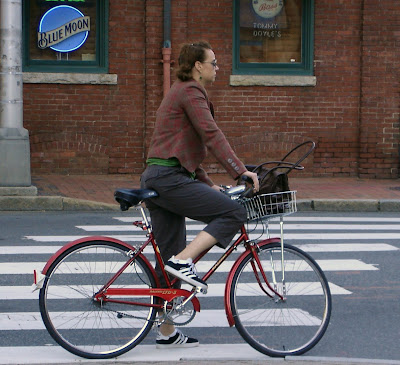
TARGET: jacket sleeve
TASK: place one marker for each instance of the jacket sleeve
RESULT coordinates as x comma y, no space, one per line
198,111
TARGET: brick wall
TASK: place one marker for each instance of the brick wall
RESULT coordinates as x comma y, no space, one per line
352,113
274,119
88,129
379,121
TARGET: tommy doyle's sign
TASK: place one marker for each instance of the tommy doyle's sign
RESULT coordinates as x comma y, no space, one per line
63,29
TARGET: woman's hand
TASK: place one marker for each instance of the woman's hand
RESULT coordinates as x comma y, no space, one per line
217,187
253,176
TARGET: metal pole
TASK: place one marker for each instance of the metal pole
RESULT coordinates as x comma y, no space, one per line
14,139
10,67
167,50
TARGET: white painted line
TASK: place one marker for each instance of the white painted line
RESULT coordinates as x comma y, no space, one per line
128,238
142,353
28,250
18,268
347,247
297,218
214,290
292,236
326,265
204,319
311,247
274,227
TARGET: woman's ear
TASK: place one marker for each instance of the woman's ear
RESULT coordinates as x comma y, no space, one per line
198,66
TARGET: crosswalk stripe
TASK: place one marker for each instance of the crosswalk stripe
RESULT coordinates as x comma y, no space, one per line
291,236
323,247
214,290
205,318
143,353
297,218
202,266
273,227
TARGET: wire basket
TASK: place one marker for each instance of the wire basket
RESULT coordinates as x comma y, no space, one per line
267,206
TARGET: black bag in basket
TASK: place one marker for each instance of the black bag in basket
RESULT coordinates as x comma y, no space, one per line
273,175
272,180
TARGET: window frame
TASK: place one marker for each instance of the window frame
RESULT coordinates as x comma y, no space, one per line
258,68
99,65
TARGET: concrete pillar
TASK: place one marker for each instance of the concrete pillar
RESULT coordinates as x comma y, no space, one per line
15,168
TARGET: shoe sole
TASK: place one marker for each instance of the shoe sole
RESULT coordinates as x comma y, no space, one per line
175,346
190,281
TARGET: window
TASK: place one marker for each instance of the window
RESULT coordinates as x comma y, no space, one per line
273,37
65,36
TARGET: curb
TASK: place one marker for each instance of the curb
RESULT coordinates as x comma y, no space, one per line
52,203
59,203
348,205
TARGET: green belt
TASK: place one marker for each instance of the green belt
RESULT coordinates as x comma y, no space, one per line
171,162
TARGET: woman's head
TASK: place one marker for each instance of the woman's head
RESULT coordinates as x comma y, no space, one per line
191,58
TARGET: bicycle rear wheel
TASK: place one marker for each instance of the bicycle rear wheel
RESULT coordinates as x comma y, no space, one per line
278,327
86,327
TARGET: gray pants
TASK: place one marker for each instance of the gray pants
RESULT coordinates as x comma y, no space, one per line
180,197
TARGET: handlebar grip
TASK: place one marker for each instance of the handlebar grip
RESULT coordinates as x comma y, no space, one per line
247,179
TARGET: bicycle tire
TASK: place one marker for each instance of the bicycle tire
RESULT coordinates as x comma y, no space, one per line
85,327
274,327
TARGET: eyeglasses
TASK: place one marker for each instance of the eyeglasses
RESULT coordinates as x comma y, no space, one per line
214,63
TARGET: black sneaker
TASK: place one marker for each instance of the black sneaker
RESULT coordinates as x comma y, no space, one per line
185,270
176,339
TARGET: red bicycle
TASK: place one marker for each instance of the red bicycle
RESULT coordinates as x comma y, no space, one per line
100,296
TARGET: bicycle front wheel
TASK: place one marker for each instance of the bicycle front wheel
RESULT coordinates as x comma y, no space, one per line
89,328
269,324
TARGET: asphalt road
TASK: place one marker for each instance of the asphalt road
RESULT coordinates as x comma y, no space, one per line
360,250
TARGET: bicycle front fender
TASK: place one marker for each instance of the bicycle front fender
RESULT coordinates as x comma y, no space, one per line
96,238
228,286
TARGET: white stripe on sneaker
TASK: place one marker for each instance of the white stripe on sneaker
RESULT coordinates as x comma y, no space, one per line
181,339
178,339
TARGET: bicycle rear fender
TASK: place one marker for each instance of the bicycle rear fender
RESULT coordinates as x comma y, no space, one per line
228,286
96,238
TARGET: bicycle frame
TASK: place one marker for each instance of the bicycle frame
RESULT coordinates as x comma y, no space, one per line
106,293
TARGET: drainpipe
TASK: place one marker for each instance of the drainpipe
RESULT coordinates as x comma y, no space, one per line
14,139
167,50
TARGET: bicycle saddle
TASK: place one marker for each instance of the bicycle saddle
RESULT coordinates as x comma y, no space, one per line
130,197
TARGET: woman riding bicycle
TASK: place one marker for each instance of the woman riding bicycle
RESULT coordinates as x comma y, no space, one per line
185,128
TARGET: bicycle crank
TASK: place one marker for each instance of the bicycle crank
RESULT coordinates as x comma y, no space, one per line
178,312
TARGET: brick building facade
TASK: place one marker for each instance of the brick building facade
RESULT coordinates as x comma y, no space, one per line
86,124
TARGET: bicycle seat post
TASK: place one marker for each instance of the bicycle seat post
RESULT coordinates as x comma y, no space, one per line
146,221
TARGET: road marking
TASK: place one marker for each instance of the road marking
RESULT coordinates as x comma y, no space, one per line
204,319
142,353
311,247
290,236
214,290
274,227
18,268
296,218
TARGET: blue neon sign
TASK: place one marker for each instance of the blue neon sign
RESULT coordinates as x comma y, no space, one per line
63,29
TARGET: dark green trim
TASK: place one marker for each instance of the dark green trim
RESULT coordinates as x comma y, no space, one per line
307,48
98,66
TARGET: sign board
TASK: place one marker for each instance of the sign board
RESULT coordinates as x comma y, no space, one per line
267,8
63,29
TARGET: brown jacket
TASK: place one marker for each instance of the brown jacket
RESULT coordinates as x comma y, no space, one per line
185,129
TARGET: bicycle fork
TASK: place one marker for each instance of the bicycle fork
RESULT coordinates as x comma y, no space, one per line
282,265
256,260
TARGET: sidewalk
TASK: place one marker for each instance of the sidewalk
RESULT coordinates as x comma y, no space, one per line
95,192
